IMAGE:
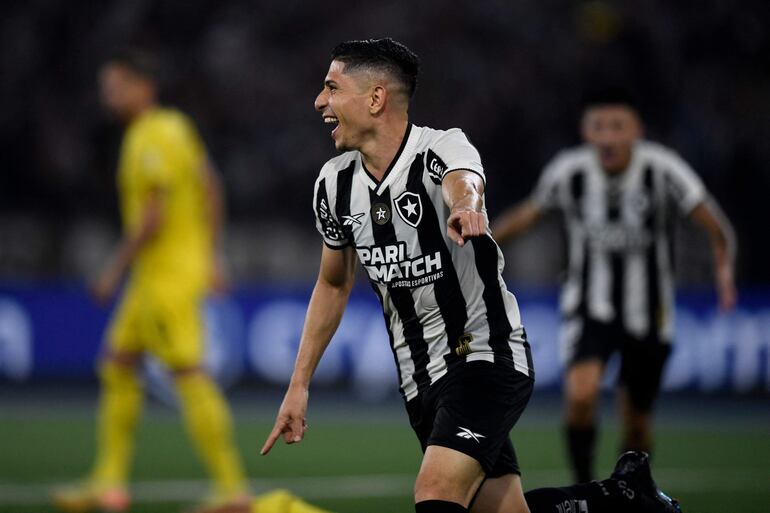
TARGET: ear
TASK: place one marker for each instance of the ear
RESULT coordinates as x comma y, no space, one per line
378,99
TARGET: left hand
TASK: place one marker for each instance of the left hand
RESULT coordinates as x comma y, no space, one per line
728,295
106,285
463,224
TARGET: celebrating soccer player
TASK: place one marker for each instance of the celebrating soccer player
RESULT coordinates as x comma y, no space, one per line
618,194
408,203
171,207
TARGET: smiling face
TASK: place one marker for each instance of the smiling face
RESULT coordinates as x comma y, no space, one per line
345,102
612,130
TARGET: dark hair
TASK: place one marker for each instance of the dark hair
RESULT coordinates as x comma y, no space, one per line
139,61
610,95
381,54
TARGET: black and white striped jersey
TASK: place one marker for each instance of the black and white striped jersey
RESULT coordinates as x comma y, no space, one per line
443,304
619,230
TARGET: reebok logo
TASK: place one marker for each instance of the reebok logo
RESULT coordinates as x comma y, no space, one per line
468,434
352,219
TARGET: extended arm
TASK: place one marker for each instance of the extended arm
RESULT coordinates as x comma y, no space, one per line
463,193
324,312
515,221
708,216
152,216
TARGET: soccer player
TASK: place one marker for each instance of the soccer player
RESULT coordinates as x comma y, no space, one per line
171,205
619,194
408,203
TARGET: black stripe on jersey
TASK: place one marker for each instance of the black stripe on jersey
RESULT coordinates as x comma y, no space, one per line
384,235
486,256
330,226
392,340
430,232
577,191
653,271
617,258
344,186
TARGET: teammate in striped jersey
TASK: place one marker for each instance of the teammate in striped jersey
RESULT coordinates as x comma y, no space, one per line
408,203
619,194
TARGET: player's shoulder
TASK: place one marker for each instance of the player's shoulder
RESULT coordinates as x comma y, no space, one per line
428,136
336,164
166,121
659,155
570,160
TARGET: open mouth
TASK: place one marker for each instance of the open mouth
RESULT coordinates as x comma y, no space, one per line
332,120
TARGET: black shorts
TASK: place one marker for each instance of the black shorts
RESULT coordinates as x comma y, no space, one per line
472,409
641,360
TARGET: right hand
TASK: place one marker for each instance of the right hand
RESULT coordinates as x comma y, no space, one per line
290,421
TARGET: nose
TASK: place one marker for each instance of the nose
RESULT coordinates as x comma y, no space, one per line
321,101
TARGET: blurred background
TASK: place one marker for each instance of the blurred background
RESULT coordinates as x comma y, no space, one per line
511,74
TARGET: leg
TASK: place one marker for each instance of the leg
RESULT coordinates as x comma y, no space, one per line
641,372
581,392
446,476
209,423
501,495
119,409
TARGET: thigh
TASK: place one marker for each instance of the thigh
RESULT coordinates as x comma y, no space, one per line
124,333
641,371
476,412
502,494
174,330
447,475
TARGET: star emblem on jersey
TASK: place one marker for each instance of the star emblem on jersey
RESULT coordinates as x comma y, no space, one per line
469,435
409,208
352,219
380,213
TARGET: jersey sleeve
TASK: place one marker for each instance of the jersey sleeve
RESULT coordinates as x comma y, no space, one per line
325,220
682,184
451,152
546,193
158,156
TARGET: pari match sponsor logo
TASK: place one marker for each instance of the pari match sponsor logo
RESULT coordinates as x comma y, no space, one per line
392,266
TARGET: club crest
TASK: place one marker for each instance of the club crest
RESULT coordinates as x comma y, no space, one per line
409,208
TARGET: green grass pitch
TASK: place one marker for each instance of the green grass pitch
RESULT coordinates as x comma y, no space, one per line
365,463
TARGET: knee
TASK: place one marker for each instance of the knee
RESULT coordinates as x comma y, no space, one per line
117,370
581,401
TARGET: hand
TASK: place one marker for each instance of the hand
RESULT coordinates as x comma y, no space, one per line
728,295
463,224
290,420
220,278
106,285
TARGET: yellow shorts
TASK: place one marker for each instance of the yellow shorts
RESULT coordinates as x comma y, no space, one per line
167,324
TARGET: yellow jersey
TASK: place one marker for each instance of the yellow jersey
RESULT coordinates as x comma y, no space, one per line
162,151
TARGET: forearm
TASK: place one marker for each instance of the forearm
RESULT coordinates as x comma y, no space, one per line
515,222
324,313
463,191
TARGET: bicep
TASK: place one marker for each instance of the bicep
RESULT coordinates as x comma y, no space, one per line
337,266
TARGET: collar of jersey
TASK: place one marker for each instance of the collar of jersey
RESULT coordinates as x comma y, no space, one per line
395,164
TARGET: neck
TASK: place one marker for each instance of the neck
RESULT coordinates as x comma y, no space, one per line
141,109
381,148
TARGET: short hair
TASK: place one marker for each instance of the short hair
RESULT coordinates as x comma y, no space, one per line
385,55
139,61
610,95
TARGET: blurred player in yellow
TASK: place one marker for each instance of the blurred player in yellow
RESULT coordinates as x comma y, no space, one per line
171,205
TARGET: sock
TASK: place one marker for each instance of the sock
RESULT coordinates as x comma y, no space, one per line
208,422
595,497
119,408
434,506
580,445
